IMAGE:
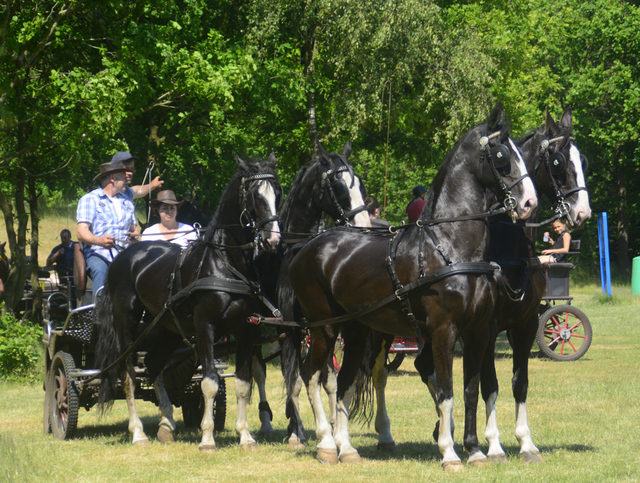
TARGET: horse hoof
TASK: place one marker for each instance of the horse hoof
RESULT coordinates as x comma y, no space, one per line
388,447
478,463
453,466
498,459
350,458
165,435
327,456
531,457
142,443
251,447
295,444
207,448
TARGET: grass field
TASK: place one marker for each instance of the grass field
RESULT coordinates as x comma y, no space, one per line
584,417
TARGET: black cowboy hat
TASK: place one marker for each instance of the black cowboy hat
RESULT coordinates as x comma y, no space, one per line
110,168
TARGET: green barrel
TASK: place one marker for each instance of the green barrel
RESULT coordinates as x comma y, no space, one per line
635,277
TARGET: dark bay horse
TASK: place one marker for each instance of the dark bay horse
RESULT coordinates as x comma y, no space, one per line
433,277
558,170
207,291
325,185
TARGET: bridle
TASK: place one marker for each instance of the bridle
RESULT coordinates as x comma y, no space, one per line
336,187
498,158
247,205
556,166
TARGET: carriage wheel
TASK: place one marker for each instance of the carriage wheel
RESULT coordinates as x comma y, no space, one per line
193,409
220,406
46,419
394,364
338,353
564,333
63,395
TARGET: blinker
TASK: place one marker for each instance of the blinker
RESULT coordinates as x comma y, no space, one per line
501,156
557,164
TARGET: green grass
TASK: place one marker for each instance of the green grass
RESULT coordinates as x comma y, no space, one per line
584,417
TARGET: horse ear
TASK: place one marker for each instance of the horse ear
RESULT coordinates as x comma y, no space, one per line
550,125
346,151
567,120
322,153
241,164
271,162
496,118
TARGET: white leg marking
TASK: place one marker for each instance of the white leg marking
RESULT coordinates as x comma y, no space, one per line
445,441
491,432
243,392
523,433
167,423
382,423
323,429
135,425
209,391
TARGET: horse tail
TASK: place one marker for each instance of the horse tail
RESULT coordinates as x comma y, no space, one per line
361,408
107,349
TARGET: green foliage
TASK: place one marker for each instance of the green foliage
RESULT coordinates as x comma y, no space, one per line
20,347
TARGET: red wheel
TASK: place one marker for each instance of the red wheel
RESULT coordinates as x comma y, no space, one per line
63,404
564,333
338,353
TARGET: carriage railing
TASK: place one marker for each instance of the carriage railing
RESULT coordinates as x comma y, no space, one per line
558,275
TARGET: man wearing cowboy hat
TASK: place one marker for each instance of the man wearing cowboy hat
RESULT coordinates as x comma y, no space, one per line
106,221
138,191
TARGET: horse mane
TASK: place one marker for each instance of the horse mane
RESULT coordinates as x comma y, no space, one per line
286,207
252,167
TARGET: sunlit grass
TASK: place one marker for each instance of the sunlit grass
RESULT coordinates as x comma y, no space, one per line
583,416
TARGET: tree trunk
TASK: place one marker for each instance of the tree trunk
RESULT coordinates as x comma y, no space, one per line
622,225
309,55
36,306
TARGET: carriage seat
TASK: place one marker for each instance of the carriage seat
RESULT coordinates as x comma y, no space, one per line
558,274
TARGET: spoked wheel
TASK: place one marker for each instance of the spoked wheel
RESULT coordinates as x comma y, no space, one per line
338,354
63,404
193,409
564,333
394,363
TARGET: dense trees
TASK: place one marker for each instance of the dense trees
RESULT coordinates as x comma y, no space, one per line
187,83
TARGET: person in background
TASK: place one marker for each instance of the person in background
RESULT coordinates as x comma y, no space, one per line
373,207
414,209
561,246
61,257
138,191
169,229
106,222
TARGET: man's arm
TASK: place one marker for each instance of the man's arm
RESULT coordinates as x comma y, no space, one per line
85,236
142,190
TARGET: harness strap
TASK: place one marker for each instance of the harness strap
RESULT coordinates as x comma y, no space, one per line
470,268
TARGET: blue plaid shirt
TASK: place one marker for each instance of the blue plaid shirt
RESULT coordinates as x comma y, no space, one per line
99,211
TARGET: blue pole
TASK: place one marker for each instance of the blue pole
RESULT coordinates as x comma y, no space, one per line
605,265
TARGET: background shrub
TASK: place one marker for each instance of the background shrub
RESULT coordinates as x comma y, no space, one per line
20,348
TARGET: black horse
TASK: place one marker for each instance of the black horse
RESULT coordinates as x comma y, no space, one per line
325,185
558,169
207,291
431,279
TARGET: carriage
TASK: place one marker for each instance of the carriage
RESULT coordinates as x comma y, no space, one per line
70,376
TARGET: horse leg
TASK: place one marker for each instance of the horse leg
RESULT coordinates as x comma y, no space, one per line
379,376
443,342
208,385
138,438
259,372
522,342
243,393
427,373
291,361
330,385
474,348
322,343
489,385
167,427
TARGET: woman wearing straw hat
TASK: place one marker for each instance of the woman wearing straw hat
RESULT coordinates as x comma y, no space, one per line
169,229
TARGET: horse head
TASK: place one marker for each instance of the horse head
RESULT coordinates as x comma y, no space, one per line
341,193
260,197
562,178
507,175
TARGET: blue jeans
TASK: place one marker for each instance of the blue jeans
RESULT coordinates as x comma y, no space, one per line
97,271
